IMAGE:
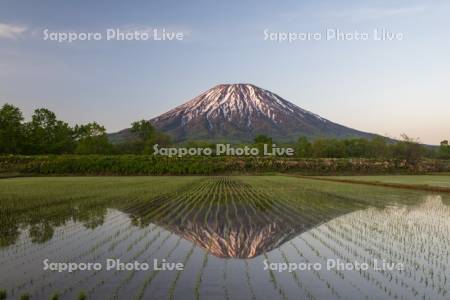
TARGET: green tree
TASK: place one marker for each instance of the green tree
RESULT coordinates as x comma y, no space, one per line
199,144
409,149
92,139
47,135
143,129
263,139
162,139
11,129
303,148
379,148
145,138
356,147
328,148
444,150
143,132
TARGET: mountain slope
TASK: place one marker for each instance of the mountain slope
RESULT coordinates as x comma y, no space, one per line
239,112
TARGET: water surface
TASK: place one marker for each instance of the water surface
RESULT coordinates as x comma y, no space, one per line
226,231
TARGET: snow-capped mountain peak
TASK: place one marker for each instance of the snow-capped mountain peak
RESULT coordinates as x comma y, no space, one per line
239,112
243,103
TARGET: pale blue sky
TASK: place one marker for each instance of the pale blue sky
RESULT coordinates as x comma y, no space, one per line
387,87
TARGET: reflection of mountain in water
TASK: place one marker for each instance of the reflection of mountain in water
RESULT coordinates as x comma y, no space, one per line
231,219
223,215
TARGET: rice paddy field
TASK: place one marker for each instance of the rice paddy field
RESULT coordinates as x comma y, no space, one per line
426,180
234,235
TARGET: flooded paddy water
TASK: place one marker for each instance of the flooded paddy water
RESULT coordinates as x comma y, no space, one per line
252,237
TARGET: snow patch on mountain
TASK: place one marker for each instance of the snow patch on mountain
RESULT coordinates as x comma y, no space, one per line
244,102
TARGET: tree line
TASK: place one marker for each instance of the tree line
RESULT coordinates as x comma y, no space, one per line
45,134
378,147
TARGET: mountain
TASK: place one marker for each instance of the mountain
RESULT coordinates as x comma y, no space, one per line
239,112
244,224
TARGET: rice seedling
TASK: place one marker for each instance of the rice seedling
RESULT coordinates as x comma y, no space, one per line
54,296
274,281
248,279
419,180
3,294
148,280
173,285
241,220
199,276
82,296
25,296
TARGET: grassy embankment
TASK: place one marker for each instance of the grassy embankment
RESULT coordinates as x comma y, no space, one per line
148,165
